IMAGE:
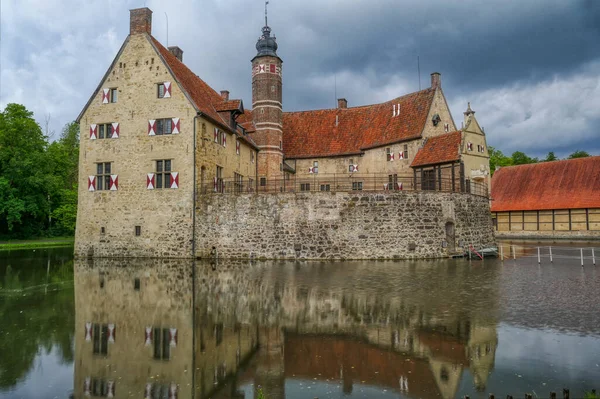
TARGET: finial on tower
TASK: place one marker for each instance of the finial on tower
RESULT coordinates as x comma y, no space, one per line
266,4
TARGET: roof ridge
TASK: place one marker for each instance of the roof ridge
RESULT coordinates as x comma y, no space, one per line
550,162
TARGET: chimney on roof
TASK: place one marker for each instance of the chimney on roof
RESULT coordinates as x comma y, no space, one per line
436,80
177,52
342,103
140,21
225,95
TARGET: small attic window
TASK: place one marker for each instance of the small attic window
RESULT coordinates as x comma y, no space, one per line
436,119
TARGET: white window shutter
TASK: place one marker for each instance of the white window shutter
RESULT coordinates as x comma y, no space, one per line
105,95
224,139
150,181
215,184
174,180
237,147
151,127
176,125
148,336
216,135
92,183
173,337
167,89
93,132
114,182
115,130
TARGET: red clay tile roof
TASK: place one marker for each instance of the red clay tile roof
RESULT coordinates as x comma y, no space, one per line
231,105
315,134
569,184
439,149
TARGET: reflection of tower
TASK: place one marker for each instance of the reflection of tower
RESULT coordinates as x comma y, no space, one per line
267,107
270,369
482,351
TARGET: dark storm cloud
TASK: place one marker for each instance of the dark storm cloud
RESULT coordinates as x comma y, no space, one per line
530,68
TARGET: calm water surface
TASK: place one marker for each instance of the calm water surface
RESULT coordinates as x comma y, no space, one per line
432,329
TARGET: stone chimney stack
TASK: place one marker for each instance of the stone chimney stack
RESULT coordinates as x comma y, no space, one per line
436,80
342,103
140,21
225,95
177,52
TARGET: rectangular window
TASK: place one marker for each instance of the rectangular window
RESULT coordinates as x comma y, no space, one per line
305,187
163,126
388,153
357,186
105,130
162,348
100,334
250,185
113,95
315,167
103,170
429,180
99,388
238,182
325,187
138,231
161,90
163,174
263,181
393,182
405,151
220,183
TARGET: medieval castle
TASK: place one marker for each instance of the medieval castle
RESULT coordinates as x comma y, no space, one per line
157,142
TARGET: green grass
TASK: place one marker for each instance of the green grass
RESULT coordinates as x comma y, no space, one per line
36,244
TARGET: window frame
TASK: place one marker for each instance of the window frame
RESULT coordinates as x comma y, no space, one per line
315,166
405,151
161,124
304,186
325,187
158,90
113,95
161,174
103,179
105,130
357,186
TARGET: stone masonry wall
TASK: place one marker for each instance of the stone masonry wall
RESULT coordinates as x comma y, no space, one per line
340,225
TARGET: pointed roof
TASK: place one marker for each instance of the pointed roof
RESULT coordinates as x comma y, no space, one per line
345,131
444,148
568,184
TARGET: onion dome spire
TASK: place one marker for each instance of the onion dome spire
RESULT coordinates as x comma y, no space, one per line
266,44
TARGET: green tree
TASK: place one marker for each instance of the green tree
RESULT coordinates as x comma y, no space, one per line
578,154
520,158
550,157
497,159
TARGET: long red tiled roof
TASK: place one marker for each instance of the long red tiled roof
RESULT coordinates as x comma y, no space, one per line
439,149
569,184
344,131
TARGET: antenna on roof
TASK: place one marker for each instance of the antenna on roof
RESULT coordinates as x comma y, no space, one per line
167,17
419,71
266,3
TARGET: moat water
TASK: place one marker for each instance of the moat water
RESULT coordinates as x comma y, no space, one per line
175,329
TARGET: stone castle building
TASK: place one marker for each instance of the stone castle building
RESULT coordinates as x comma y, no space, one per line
154,137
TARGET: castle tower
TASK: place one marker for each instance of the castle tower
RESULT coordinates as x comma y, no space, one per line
267,110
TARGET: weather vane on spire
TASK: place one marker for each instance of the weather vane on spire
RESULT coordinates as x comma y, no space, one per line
266,3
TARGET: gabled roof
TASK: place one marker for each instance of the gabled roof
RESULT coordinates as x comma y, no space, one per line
231,105
568,184
344,131
439,149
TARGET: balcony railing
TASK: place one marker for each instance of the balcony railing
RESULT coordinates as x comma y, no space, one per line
346,183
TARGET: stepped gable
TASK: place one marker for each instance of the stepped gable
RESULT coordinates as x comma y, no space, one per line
439,149
308,134
568,184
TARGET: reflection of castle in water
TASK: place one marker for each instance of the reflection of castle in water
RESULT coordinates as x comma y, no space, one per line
339,323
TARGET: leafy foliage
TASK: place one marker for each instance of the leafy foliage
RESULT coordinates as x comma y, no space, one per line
579,154
498,159
38,180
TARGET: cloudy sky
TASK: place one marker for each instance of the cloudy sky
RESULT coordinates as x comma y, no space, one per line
531,69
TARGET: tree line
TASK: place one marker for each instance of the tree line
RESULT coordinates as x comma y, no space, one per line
498,159
38,178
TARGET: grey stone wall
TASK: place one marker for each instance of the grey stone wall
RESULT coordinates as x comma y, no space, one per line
328,225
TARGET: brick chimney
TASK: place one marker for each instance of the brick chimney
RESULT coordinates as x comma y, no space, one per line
225,95
177,52
342,103
140,21
436,80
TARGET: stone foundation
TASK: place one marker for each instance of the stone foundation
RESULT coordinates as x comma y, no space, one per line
324,225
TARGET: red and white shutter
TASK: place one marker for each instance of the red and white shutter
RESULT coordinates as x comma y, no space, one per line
401,155
385,186
110,387
173,336
93,131
173,391
216,135
311,170
167,89
174,180
400,186
87,386
148,392
111,333
446,127
115,130
150,181
237,147
105,95
148,336
392,157
224,139
470,146
176,126
353,168
92,183
88,331
151,126
215,184
114,182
